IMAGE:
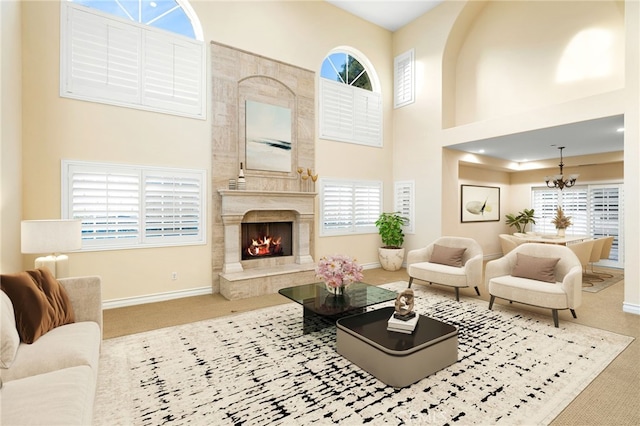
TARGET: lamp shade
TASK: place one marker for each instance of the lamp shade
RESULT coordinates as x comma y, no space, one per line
51,236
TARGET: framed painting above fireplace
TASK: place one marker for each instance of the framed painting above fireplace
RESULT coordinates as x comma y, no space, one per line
268,137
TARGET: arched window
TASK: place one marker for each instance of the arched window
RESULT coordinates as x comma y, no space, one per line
138,53
344,68
350,100
175,16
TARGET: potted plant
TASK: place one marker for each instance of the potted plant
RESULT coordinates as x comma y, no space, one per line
521,220
391,254
561,221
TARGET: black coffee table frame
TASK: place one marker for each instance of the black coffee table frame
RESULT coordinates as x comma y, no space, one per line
322,309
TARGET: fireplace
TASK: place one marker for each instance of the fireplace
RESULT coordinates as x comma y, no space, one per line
240,207
266,239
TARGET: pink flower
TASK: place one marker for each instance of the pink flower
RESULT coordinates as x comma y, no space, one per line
338,271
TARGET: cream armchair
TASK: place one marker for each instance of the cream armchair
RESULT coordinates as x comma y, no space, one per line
536,279
450,261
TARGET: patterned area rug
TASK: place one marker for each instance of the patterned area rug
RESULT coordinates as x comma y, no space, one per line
258,368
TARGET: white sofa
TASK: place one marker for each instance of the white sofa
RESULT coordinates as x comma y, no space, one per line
53,380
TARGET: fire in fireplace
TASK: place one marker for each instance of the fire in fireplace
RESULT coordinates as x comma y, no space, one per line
266,239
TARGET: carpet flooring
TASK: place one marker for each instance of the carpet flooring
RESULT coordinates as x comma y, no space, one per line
258,368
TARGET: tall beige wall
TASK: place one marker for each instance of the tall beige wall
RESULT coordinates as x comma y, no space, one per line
520,55
57,128
10,136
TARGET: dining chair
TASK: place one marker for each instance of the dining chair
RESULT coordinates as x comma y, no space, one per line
596,252
583,251
606,253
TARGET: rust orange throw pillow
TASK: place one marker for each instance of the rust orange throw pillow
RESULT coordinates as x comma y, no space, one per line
40,303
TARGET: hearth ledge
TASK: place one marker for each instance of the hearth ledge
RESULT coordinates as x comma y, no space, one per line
267,272
261,281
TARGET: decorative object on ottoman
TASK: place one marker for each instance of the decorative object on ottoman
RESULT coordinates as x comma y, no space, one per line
404,319
338,272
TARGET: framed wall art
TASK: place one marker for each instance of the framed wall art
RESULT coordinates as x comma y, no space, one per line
268,137
479,203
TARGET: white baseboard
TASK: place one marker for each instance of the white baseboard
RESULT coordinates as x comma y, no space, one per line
630,308
151,298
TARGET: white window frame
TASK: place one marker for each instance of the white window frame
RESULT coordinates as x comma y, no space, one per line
404,203
404,79
357,203
144,197
110,60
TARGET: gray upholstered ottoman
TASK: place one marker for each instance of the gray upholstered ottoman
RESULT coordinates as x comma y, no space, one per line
396,359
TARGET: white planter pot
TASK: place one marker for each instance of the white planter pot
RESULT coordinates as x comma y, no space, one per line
391,259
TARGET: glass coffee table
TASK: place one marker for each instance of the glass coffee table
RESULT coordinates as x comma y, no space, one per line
321,309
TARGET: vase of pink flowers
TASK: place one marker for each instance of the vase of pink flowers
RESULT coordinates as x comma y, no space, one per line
338,272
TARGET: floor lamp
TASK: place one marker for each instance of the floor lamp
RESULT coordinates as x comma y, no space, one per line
51,236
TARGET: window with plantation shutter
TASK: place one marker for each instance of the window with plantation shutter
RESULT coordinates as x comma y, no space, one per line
404,203
574,204
125,206
403,77
349,207
109,59
350,109
595,210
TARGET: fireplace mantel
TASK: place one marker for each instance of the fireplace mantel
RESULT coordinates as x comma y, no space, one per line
239,202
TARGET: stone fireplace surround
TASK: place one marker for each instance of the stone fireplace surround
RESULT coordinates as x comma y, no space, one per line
246,278
239,76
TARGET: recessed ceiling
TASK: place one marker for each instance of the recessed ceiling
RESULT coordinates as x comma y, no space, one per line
391,15
583,138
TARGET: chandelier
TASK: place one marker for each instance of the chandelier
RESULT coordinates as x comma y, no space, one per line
558,180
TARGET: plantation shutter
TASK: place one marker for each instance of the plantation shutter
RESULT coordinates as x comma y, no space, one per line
367,117
403,68
108,203
606,217
574,204
350,114
103,57
172,205
544,203
173,73
337,206
348,207
367,206
404,203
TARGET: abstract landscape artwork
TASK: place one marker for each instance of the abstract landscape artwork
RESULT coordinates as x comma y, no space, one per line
268,137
